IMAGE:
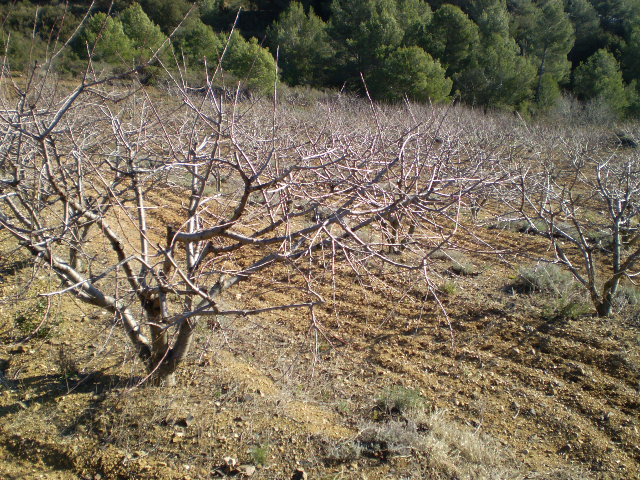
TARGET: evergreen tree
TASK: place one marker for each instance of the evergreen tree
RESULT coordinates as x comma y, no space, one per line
589,36
414,17
146,37
497,75
251,63
304,47
104,39
364,32
631,56
166,13
194,41
545,34
411,72
452,38
600,78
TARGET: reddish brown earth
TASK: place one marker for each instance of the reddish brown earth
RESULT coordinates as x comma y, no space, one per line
552,397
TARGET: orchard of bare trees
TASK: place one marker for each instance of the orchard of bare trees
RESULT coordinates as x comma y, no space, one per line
151,207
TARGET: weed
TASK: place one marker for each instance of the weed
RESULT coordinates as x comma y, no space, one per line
67,365
344,407
31,321
259,454
390,438
460,263
400,400
545,278
344,452
627,296
565,308
449,288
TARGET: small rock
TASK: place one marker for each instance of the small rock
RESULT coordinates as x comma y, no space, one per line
299,474
230,462
246,470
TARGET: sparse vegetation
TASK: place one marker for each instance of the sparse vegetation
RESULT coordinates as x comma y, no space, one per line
303,284
400,400
546,278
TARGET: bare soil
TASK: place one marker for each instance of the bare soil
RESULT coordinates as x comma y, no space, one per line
269,395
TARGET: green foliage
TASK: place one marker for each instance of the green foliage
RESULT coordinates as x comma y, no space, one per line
545,34
452,38
449,288
166,13
260,454
411,72
103,39
599,78
565,308
589,36
250,62
304,46
31,321
400,400
497,75
17,46
414,17
146,37
545,278
364,31
631,56
195,42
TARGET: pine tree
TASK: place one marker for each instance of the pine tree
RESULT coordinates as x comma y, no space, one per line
194,42
103,39
546,36
452,38
146,37
304,50
363,32
599,78
589,36
414,17
497,75
411,72
251,63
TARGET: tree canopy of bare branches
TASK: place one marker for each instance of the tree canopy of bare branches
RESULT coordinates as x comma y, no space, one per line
150,205
587,202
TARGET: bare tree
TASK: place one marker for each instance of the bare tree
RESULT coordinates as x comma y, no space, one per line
151,206
587,202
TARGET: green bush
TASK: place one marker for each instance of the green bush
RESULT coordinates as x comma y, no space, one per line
250,62
545,278
104,39
31,320
413,73
400,400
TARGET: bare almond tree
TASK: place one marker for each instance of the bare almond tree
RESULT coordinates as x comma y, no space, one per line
587,202
151,205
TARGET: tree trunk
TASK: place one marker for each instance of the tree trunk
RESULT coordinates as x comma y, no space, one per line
160,365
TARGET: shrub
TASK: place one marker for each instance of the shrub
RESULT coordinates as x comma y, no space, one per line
545,278
413,73
400,400
627,296
104,37
252,63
